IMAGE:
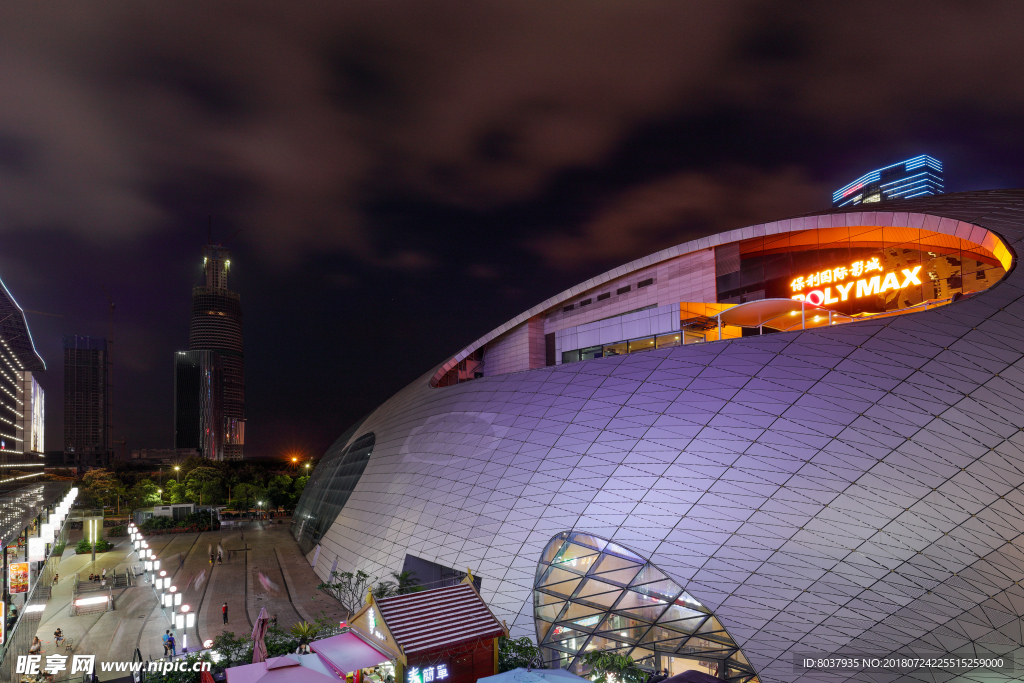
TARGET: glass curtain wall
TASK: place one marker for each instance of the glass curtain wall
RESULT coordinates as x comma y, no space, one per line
329,489
592,594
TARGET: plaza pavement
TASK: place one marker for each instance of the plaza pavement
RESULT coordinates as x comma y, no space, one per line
262,567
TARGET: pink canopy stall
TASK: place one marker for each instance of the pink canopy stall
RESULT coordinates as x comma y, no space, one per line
286,669
347,652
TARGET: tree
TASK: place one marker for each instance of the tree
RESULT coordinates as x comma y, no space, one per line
305,631
102,487
277,490
246,495
605,665
234,649
516,653
406,582
385,589
175,491
298,486
349,589
203,483
143,494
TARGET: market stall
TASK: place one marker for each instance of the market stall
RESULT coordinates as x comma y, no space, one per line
444,635
286,669
354,658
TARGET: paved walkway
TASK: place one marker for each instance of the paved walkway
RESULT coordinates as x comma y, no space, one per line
262,568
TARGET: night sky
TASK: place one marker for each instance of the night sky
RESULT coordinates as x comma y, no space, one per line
409,175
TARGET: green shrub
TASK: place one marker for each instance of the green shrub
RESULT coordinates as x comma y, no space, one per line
83,547
117,531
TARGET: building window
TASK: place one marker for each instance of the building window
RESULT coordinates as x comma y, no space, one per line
592,594
602,297
570,356
586,302
623,290
645,283
568,308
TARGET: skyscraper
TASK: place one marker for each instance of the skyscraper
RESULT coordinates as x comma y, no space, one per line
86,401
18,361
198,402
209,389
915,177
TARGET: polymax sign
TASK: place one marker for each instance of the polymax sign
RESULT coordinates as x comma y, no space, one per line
853,289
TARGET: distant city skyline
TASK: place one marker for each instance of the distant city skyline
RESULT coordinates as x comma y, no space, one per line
395,172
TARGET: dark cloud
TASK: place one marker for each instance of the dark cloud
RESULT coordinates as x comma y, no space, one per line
429,169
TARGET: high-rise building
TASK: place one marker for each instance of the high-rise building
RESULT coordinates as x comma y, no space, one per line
18,361
917,177
209,403
198,402
86,401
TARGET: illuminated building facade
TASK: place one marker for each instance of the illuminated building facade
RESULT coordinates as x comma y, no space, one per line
19,459
917,177
86,402
198,403
214,364
33,415
796,438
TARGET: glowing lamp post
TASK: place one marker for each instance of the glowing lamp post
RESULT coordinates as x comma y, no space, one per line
183,621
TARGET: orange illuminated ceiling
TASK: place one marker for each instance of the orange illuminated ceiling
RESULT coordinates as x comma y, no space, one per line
992,252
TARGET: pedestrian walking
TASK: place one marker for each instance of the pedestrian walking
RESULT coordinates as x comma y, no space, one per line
56,578
211,559
104,576
220,558
174,645
167,642
224,610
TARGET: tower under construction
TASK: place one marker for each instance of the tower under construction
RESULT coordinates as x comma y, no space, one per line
209,410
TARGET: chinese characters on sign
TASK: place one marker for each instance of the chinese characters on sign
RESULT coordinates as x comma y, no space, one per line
17,577
428,674
372,619
865,286
31,664
824,277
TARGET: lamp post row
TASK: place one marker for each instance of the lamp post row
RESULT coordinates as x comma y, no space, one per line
182,617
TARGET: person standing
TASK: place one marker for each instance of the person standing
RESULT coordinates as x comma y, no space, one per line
167,642
173,645
224,610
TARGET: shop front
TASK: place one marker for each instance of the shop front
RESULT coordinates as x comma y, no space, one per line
443,635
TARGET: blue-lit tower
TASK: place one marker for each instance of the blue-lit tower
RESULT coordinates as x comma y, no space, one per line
915,177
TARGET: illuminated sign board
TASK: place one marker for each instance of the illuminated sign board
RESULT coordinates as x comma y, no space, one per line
372,619
846,287
36,549
428,674
17,577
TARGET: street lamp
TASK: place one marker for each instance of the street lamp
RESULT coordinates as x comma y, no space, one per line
161,492
177,473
